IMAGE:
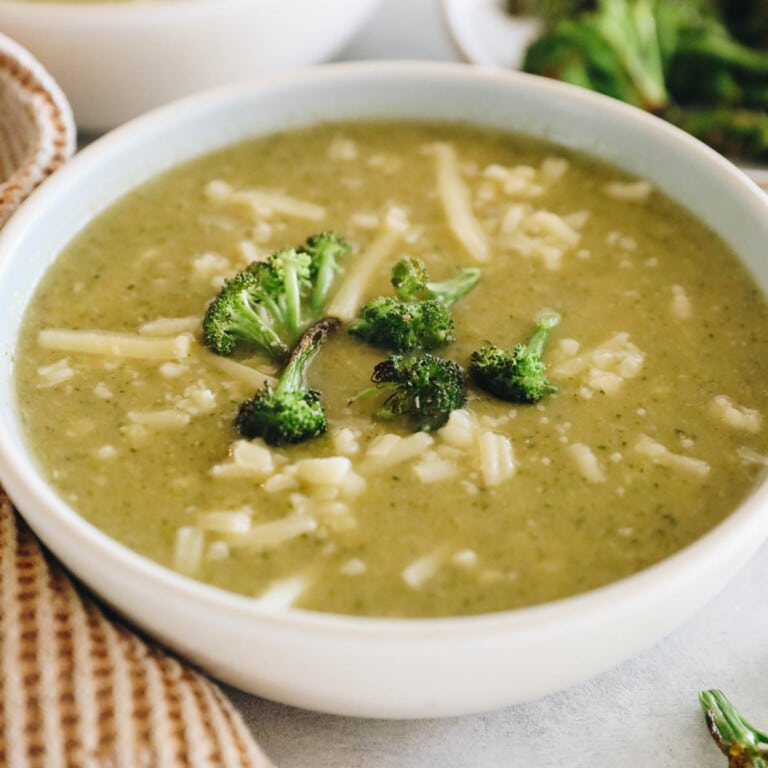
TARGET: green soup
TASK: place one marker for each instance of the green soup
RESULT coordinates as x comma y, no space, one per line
654,435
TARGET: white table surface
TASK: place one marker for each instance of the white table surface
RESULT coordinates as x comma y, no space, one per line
644,714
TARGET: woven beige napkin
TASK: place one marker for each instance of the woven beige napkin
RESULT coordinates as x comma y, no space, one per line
37,132
78,690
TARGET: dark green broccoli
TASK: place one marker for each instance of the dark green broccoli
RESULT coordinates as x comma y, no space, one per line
678,59
613,50
424,389
291,412
518,375
390,323
744,745
419,316
271,303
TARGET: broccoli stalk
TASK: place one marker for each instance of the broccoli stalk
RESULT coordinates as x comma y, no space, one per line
326,251
518,375
423,389
271,303
283,290
743,744
291,412
419,316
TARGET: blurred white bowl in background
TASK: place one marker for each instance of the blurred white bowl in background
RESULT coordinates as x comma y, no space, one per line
115,60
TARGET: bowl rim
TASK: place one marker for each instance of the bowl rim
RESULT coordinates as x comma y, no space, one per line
21,477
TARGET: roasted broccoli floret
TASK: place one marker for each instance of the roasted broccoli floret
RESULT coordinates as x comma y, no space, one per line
744,745
419,316
518,375
423,389
234,316
411,282
291,412
271,303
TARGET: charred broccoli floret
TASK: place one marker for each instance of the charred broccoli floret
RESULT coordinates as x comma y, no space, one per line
291,412
424,389
418,317
518,375
271,303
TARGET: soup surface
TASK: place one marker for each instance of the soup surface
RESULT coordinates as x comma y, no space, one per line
654,435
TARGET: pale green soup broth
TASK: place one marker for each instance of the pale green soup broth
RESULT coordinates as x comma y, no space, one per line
556,526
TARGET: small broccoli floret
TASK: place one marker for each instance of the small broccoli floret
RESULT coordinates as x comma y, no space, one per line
286,282
291,412
271,303
233,316
424,389
419,317
743,744
411,282
325,251
518,375
404,325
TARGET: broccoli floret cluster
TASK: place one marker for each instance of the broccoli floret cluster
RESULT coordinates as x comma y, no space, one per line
424,389
291,412
271,303
518,375
419,315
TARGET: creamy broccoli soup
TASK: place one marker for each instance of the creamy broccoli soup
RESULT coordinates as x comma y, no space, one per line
655,432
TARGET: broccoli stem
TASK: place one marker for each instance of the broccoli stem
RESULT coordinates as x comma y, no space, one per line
292,377
548,319
327,250
292,298
450,291
743,744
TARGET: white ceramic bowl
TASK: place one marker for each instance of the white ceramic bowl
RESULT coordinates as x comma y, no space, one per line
360,666
116,60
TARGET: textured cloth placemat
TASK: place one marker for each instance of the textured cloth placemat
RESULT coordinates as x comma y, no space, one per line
78,690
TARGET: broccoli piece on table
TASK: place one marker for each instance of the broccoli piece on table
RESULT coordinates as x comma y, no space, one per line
424,389
418,317
518,375
291,412
743,744
272,302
